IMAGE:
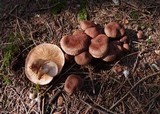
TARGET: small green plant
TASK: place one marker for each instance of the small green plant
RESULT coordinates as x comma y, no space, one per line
149,40
9,51
37,88
134,15
58,5
82,13
5,79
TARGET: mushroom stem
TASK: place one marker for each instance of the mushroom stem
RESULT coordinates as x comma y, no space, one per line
42,72
50,68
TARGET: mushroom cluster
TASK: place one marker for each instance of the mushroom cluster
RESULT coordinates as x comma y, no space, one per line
90,42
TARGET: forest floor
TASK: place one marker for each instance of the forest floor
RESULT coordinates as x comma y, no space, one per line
25,24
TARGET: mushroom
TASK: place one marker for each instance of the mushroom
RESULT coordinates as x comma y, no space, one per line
114,30
126,47
99,46
124,39
86,24
140,34
83,58
72,84
43,63
118,46
74,44
92,32
111,55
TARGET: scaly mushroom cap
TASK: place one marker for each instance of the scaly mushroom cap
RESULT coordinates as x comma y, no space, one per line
92,32
43,63
83,58
86,24
72,84
99,46
114,30
111,55
74,44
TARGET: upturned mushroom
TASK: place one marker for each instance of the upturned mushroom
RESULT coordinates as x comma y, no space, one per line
114,30
83,58
74,44
43,63
86,24
72,84
99,46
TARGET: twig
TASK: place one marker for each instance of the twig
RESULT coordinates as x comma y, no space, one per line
20,30
58,92
145,78
12,10
43,100
126,56
20,99
91,77
98,108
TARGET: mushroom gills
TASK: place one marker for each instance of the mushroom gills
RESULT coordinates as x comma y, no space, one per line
50,68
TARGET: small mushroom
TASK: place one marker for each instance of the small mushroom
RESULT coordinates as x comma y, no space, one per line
124,39
118,46
86,24
114,30
99,46
126,47
72,84
43,63
111,55
60,101
74,44
140,34
83,58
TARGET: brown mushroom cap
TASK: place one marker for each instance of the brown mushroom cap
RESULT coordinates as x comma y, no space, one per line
83,58
92,32
114,30
72,84
74,44
77,32
46,60
86,24
111,55
99,46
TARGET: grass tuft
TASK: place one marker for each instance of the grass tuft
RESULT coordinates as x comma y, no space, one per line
5,79
9,51
82,13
